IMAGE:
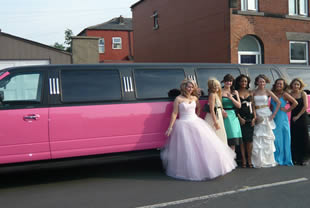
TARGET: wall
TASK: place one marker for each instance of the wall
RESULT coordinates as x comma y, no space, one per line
14,48
112,55
85,50
271,31
188,31
274,6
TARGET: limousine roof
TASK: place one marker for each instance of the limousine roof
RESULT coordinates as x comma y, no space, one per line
275,71
153,65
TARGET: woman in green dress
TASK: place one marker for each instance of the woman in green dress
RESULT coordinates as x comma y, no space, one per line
231,101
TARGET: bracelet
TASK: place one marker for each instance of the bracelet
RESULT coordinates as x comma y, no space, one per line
170,128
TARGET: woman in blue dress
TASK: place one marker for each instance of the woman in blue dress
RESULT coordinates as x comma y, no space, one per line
282,131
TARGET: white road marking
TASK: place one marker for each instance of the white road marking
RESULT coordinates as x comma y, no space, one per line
247,188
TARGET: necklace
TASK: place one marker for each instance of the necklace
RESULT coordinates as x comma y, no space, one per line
279,94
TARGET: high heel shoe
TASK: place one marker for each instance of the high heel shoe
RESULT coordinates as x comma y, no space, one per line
251,165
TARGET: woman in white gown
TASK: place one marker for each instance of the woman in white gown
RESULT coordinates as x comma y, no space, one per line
263,137
214,116
193,150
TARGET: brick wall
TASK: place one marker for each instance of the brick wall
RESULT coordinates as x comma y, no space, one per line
270,31
112,55
273,6
208,31
188,31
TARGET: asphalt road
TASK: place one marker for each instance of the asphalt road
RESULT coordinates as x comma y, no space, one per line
143,183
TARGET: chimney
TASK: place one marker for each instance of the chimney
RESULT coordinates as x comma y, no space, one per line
121,20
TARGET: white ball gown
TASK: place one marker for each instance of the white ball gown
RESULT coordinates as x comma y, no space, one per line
263,137
193,150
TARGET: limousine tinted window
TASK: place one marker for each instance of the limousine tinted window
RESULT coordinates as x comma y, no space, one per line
253,73
157,83
90,85
304,74
205,74
22,87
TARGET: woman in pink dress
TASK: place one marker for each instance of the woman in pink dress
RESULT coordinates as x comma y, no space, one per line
193,150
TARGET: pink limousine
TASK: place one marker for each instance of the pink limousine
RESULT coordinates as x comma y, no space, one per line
68,111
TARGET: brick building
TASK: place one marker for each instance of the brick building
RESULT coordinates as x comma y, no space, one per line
110,42
222,31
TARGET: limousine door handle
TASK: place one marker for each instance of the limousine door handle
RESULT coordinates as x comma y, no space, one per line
32,117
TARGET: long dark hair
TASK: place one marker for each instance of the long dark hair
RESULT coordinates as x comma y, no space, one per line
238,79
229,77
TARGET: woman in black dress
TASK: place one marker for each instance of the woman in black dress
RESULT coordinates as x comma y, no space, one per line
300,144
246,115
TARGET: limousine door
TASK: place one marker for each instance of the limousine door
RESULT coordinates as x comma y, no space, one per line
87,119
23,117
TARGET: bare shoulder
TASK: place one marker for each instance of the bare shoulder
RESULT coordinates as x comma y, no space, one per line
251,92
286,95
269,92
304,94
178,99
194,98
212,95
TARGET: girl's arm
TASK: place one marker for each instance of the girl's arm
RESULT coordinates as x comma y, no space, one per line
254,110
276,99
198,108
174,115
236,102
303,110
241,120
211,102
290,99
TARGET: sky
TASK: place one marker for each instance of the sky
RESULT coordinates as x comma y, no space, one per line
45,21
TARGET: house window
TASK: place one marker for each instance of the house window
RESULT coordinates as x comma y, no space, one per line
155,20
298,7
298,52
116,43
249,50
101,45
249,5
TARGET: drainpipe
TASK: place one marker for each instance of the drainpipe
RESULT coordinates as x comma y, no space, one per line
129,38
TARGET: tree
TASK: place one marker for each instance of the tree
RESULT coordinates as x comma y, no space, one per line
67,45
59,46
68,40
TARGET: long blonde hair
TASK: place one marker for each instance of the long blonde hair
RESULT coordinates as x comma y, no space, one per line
212,83
184,84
